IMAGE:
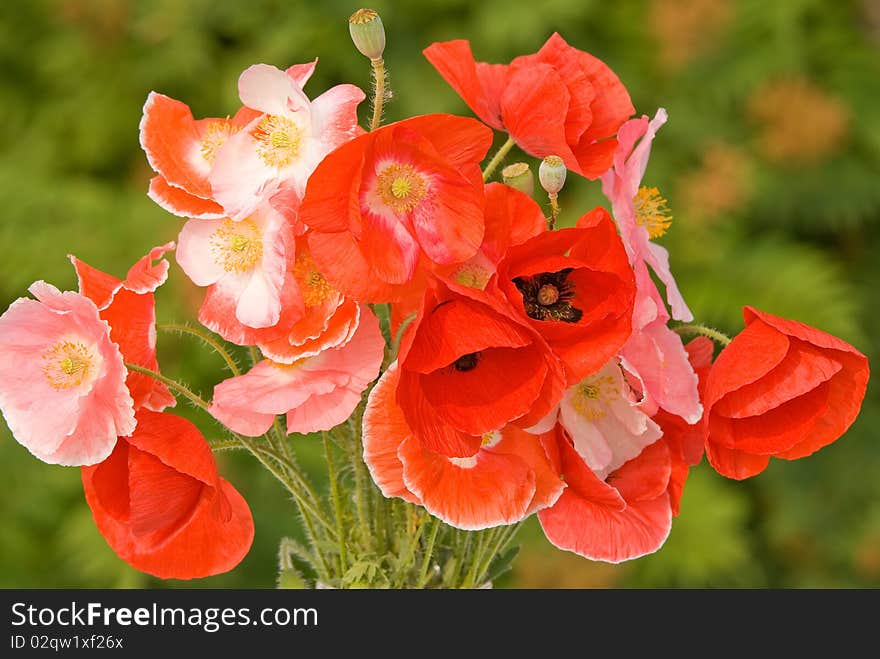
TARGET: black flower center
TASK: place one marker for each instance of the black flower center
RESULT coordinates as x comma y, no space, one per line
466,362
548,296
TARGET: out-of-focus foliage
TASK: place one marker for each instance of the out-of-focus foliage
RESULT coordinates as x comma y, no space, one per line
770,162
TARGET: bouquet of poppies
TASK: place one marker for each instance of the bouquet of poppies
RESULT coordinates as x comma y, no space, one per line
467,353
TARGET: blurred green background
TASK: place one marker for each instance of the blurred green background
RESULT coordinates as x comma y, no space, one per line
770,162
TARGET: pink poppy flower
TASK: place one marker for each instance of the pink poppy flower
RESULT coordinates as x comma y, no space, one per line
279,149
507,479
638,214
244,264
181,150
129,307
62,380
316,393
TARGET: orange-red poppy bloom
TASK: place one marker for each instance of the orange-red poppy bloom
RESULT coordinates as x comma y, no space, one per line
181,150
576,288
779,389
388,205
468,367
161,505
508,478
559,101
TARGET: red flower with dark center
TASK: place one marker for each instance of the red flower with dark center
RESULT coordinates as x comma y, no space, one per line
576,288
469,367
396,202
560,101
779,389
161,505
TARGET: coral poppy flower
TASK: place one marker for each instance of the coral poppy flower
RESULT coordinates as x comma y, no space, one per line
62,379
396,201
576,288
779,389
468,366
616,505
560,101
161,505
507,479
245,264
616,519
129,307
181,150
316,393
280,148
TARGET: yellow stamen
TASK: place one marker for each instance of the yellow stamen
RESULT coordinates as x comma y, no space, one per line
214,137
401,188
591,396
237,246
68,364
315,289
652,211
278,140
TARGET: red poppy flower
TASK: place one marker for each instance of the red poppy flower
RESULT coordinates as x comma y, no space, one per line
129,307
576,288
780,389
469,367
560,101
625,516
508,478
161,505
181,150
391,203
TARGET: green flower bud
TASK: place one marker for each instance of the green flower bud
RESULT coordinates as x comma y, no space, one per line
519,176
367,33
552,174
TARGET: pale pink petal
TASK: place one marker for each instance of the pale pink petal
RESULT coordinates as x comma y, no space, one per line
300,73
334,115
196,254
323,412
260,302
658,258
146,277
270,90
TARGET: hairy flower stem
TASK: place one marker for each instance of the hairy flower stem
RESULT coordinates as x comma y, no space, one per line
380,78
207,338
429,554
337,503
499,156
702,330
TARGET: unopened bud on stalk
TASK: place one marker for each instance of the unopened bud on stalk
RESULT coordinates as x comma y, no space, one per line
519,176
552,174
368,33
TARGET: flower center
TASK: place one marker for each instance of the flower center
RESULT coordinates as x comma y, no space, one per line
278,140
68,364
314,288
549,296
592,395
237,246
652,211
466,362
401,188
214,137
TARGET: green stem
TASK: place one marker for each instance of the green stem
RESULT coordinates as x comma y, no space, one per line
702,330
471,578
504,539
378,71
337,504
503,150
207,338
174,385
429,554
